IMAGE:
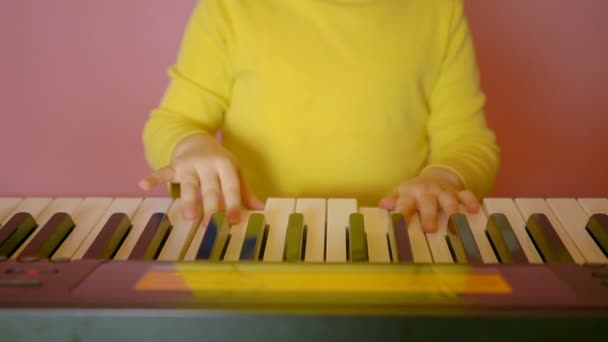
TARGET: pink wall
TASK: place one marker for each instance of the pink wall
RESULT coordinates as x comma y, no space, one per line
78,79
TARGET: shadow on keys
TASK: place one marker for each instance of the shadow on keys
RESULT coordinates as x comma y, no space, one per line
307,268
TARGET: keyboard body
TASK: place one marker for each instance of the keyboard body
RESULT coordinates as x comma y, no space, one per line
83,298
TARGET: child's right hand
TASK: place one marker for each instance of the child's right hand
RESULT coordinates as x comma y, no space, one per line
206,171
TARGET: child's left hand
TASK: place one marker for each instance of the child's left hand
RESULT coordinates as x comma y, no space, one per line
433,190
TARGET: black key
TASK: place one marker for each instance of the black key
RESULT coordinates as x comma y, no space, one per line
456,249
110,237
402,239
356,240
597,226
459,224
546,240
18,236
152,237
214,240
294,238
504,240
18,219
48,239
254,236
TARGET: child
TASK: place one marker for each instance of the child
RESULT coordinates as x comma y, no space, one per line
377,100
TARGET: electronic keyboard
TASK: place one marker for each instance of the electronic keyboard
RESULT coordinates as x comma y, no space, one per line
301,269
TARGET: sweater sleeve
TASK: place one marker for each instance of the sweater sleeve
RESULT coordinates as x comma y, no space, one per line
199,88
460,139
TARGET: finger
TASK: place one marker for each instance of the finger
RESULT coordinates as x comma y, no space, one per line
249,198
427,207
448,202
389,202
231,191
406,205
469,200
210,191
189,196
163,175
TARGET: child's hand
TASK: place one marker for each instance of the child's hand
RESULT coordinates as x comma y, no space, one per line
207,171
433,190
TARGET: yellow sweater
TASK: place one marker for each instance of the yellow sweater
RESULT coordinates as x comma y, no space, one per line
330,98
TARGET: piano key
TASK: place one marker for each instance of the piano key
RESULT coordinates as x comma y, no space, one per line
377,226
375,219
507,207
148,207
13,223
214,239
33,206
181,234
457,249
356,238
66,205
15,240
277,211
294,240
7,204
598,229
254,237
149,243
378,247
574,219
419,245
17,229
505,241
197,239
402,238
49,237
314,212
530,206
477,222
85,217
110,237
338,213
438,242
128,206
594,205
546,240
237,235
464,238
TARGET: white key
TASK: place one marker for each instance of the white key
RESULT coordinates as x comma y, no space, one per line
420,248
276,213
478,222
237,235
314,212
7,205
180,237
377,247
33,205
85,217
128,206
142,216
529,206
594,205
197,239
376,221
438,244
338,213
507,207
574,219
66,205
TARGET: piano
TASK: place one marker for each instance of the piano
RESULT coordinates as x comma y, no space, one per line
301,269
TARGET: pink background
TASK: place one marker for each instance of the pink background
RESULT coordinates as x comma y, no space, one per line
78,79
